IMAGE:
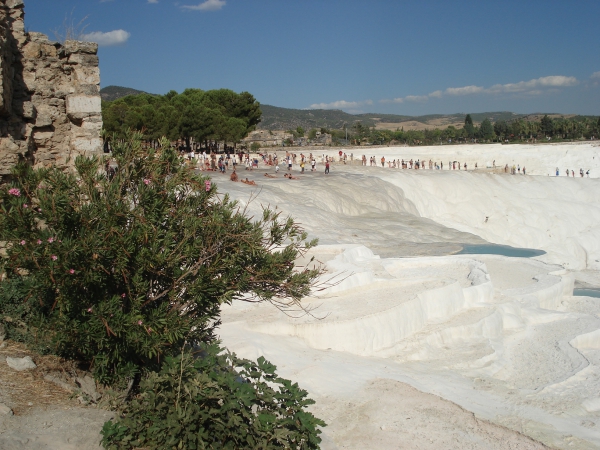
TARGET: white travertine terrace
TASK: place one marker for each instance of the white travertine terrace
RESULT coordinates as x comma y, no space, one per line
502,337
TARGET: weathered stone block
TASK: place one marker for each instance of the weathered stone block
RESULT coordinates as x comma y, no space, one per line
83,145
83,59
14,3
8,145
82,106
29,111
39,37
32,50
43,120
29,80
80,47
49,51
42,136
88,89
87,75
63,90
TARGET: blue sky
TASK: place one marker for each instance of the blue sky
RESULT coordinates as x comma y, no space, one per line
402,57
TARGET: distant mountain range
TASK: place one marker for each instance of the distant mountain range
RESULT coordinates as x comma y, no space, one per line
276,118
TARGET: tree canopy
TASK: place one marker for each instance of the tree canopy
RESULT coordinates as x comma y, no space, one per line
215,115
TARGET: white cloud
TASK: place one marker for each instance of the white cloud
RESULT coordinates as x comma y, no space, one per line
595,75
115,37
393,100
537,86
543,82
466,90
152,1
340,104
208,5
414,98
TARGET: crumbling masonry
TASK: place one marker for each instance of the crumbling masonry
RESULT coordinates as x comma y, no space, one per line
49,95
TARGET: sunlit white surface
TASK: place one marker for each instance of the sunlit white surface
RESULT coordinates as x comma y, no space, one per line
502,337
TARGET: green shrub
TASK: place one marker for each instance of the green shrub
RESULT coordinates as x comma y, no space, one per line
215,401
117,271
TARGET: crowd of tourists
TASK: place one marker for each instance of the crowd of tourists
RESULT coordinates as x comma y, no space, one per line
232,160
572,173
415,164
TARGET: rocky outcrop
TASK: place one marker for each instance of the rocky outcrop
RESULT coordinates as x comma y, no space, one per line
49,95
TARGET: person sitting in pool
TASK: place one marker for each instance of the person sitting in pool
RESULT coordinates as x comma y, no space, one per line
233,176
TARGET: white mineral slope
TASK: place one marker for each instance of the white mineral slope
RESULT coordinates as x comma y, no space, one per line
391,210
501,337
558,215
351,207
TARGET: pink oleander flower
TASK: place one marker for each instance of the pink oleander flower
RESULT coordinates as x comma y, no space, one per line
72,271
22,242
14,191
123,295
89,310
51,240
140,322
207,185
146,181
25,205
54,257
39,241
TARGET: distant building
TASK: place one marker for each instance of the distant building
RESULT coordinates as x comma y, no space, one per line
322,139
267,138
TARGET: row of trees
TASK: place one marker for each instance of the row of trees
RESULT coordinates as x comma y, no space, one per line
204,116
500,131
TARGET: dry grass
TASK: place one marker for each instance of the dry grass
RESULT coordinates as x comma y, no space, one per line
23,391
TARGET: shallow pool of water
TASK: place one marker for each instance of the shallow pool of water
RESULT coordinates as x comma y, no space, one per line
590,292
504,250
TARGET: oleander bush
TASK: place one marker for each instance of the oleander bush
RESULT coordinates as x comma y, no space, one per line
119,268
215,400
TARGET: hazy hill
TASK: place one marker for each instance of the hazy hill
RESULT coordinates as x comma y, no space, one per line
110,93
276,118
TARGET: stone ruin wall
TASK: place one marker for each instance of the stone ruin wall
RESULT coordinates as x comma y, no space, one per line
49,95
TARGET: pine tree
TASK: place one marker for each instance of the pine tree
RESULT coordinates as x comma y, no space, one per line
547,125
469,127
486,130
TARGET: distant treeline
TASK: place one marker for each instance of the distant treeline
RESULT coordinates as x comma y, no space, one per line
206,116
225,116
500,131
